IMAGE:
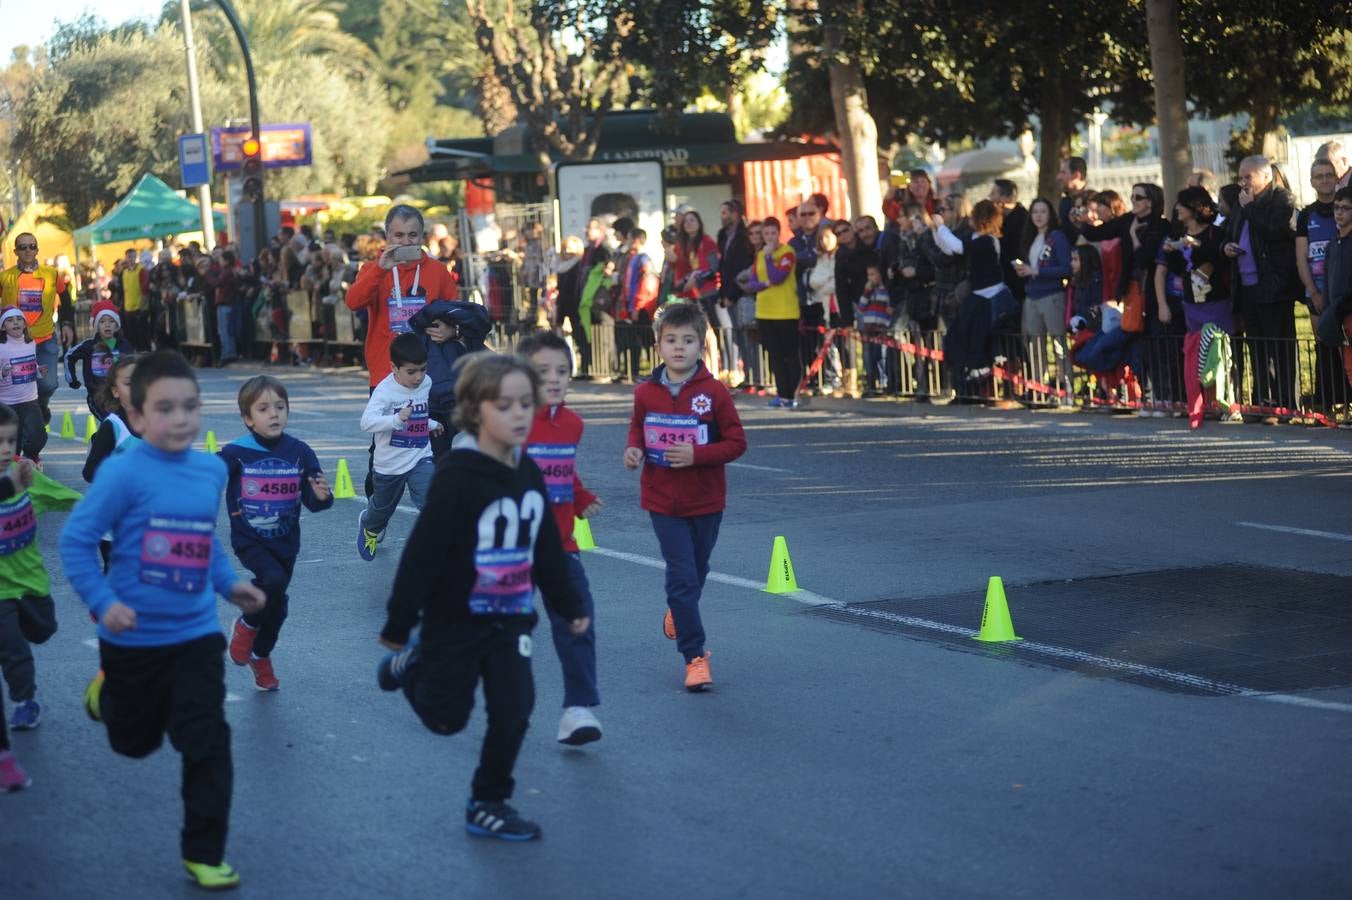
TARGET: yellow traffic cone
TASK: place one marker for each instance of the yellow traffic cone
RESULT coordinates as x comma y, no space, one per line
996,625
212,446
342,482
67,426
582,534
91,427
781,580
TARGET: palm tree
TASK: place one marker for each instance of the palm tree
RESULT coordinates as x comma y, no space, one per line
279,31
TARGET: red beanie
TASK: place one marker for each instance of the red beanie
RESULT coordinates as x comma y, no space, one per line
104,308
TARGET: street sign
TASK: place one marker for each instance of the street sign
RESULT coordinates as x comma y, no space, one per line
283,146
193,160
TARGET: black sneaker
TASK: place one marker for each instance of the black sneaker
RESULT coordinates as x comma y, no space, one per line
498,820
392,670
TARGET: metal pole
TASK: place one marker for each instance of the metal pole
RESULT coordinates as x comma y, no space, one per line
260,216
195,98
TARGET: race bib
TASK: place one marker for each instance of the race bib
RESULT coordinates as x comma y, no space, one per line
413,434
30,301
23,369
503,586
401,310
663,431
1318,250
176,553
269,496
100,363
557,463
18,525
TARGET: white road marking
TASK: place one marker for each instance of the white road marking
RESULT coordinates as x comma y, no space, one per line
1306,532
759,468
1182,679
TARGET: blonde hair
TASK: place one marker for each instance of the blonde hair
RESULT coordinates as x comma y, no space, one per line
481,377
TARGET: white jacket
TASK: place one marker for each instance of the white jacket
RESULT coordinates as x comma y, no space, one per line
821,281
399,445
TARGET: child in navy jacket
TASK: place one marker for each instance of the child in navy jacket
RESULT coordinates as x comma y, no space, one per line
270,475
96,356
684,430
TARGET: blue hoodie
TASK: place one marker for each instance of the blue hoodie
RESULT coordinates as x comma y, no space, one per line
441,358
267,482
167,563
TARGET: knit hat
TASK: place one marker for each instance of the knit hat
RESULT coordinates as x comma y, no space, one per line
101,309
10,312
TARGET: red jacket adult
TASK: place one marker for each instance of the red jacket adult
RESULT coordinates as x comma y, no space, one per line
373,291
703,262
552,443
702,413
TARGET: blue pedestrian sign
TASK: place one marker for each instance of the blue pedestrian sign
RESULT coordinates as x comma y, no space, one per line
194,160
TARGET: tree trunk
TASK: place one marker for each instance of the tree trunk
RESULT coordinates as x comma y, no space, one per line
1055,143
857,130
1171,110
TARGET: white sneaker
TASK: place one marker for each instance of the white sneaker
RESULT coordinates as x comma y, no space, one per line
579,726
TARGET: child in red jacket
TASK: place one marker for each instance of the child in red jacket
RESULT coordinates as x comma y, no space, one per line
685,429
552,443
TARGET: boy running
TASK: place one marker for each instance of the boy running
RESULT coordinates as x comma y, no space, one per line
684,430
160,642
270,475
96,356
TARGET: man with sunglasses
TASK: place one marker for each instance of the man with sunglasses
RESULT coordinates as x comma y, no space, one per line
32,288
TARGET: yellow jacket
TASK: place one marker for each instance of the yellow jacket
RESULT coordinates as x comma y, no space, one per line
42,325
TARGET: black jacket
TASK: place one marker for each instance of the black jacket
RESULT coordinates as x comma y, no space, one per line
484,539
1273,243
734,257
472,320
851,275
1011,246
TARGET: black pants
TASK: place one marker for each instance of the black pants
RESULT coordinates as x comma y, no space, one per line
4,729
177,689
370,483
1272,344
779,337
441,690
23,621
272,576
32,428
136,329
580,342
441,444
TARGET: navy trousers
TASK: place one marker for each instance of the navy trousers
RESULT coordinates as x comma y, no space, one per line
577,652
687,543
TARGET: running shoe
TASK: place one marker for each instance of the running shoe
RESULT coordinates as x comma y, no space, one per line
392,669
697,677
241,642
264,679
26,716
366,540
498,820
213,878
12,775
579,726
93,696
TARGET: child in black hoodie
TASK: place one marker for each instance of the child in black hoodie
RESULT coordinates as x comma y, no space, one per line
483,539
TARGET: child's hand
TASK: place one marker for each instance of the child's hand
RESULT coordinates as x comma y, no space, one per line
591,510
321,488
389,645
42,371
247,597
681,456
435,428
406,412
119,617
579,626
4,369
633,457
24,470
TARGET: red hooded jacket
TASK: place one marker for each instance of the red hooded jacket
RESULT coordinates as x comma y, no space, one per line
552,443
702,413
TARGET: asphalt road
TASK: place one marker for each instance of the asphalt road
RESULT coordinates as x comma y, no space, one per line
831,759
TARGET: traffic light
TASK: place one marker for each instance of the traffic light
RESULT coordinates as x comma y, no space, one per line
251,171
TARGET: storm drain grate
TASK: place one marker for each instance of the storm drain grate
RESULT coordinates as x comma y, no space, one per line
1210,630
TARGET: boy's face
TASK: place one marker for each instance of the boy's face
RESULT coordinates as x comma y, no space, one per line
267,415
410,375
680,348
107,327
555,373
9,444
170,416
875,276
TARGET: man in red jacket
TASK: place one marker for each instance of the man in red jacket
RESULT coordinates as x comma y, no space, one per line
684,430
552,443
391,288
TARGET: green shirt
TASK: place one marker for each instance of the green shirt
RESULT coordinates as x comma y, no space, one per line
22,573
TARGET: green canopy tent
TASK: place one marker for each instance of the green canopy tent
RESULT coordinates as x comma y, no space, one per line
150,210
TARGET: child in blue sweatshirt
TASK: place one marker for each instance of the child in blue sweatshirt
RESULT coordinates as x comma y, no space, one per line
160,643
270,475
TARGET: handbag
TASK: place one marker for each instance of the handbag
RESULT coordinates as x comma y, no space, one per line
1133,308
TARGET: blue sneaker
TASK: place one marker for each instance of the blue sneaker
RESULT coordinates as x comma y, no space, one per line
367,541
498,820
26,716
777,403
393,668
